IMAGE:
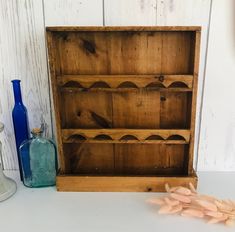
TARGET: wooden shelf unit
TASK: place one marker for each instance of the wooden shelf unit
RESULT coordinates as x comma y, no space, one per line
125,101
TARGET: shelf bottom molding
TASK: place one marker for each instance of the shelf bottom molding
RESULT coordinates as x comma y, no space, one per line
72,183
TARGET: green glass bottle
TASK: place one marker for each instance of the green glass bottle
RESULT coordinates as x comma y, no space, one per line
43,162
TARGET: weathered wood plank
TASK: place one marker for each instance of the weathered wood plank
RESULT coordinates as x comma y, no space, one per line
189,13
114,81
124,184
124,28
118,134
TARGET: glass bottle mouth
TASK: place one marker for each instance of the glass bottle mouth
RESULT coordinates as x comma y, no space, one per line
36,131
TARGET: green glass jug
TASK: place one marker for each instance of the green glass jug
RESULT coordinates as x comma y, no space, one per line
42,160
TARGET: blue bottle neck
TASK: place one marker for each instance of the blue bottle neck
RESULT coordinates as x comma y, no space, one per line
17,91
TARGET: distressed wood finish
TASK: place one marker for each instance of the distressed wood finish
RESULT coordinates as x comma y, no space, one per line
124,133
118,81
190,13
178,13
119,135
126,28
121,184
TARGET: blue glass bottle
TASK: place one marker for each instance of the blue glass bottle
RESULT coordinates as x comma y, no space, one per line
21,128
43,161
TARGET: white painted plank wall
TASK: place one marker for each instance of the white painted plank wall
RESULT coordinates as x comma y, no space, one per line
130,13
73,12
22,56
217,139
29,17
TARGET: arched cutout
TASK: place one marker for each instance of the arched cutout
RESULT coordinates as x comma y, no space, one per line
155,85
100,84
103,137
77,137
178,84
128,137
176,137
72,84
154,137
127,84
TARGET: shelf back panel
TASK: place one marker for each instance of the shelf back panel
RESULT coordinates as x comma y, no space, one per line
125,159
144,109
124,52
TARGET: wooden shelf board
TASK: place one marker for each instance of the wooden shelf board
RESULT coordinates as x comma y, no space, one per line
128,141
67,89
121,183
119,134
114,81
128,28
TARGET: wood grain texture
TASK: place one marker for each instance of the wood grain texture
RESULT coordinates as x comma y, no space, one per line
118,134
125,184
194,13
115,81
71,12
94,128
123,28
166,13
23,56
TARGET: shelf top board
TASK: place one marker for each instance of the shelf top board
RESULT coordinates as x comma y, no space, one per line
126,28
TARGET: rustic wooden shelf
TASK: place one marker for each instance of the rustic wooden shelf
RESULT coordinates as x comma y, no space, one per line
125,106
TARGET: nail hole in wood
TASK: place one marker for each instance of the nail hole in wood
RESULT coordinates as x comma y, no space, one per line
163,98
161,78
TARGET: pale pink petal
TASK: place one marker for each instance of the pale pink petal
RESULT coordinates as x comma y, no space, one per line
183,190
229,222
207,205
167,187
223,206
216,220
165,209
157,201
171,202
193,213
214,214
176,209
181,198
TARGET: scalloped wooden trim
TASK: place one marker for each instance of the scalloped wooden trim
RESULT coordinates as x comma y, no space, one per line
117,135
118,81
